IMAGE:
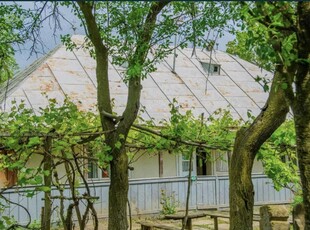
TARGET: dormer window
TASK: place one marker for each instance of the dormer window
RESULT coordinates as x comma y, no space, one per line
211,68
215,69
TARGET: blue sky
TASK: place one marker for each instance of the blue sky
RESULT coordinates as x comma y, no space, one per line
23,57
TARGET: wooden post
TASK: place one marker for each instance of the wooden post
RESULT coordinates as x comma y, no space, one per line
48,163
274,217
161,164
189,224
216,224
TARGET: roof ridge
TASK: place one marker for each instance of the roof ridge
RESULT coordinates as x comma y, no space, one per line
8,86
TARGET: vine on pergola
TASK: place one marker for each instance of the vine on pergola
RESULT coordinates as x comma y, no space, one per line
59,135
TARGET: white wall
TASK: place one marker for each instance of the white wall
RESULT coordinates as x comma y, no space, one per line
147,165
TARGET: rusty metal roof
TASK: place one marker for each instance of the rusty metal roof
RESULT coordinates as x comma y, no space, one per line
63,72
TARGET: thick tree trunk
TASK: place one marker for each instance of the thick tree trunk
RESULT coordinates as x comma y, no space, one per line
241,192
301,105
247,143
303,150
118,193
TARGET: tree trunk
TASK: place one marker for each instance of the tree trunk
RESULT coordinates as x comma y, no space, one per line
118,193
302,123
241,192
301,106
48,163
247,143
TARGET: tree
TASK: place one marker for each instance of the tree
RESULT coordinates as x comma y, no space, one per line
127,32
249,140
300,102
118,192
284,26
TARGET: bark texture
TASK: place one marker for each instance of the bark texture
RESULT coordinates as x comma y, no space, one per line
118,192
301,105
247,143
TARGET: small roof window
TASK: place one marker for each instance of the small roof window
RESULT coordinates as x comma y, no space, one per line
211,68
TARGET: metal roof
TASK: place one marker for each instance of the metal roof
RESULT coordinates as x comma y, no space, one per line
64,73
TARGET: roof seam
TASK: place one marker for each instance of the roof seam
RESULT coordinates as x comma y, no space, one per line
188,88
61,89
240,87
127,87
212,84
28,101
244,68
24,74
232,56
77,58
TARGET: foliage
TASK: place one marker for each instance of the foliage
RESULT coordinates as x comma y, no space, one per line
9,24
25,142
14,30
264,44
169,203
263,36
279,158
180,131
28,131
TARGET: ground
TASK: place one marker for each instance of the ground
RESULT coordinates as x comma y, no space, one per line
198,224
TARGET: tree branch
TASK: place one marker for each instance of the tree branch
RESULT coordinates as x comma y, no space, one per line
142,48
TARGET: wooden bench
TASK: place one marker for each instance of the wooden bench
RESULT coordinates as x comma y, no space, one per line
215,216
150,226
189,218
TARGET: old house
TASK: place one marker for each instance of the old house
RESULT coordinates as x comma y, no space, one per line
201,83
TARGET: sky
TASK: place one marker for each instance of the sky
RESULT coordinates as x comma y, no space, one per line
24,58
22,54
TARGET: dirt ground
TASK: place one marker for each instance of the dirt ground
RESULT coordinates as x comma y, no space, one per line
198,224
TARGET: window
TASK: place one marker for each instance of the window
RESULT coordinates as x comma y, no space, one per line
184,165
222,161
211,68
203,163
94,172
215,69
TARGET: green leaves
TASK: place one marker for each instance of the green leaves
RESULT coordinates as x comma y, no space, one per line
27,133
278,156
13,23
267,34
217,132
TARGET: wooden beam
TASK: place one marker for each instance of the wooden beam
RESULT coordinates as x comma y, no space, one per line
161,164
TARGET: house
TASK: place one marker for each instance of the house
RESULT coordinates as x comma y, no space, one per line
201,83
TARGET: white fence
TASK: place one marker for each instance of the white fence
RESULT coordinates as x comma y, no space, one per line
145,195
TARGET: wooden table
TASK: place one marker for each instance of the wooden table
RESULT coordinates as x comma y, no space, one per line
216,215
151,225
189,218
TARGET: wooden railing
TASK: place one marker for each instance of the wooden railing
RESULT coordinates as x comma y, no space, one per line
145,195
